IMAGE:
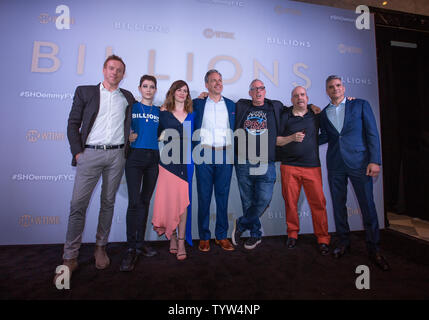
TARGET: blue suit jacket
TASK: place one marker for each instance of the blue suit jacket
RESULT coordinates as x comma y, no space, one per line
358,143
199,106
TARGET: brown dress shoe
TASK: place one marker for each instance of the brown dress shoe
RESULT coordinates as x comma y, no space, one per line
102,261
71,264
204,245
225,244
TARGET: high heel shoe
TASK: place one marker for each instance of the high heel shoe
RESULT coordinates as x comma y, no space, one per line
181,255
173,243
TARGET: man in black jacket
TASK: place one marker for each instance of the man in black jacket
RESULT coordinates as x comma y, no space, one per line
98,130
256,126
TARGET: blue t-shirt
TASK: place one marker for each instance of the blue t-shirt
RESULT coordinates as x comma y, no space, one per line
144,122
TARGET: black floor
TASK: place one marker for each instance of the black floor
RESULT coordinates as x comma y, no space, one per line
269,272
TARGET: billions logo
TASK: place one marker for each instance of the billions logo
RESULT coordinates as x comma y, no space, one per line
224,2
34,135
26,220
353,211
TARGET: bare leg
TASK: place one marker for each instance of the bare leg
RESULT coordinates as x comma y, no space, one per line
181,251
173,243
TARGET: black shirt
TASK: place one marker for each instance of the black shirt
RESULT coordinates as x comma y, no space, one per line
305,153
259,124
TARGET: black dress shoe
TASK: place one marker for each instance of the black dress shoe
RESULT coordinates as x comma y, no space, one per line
379,261
323,249
340,251
291,243
129,261
147,251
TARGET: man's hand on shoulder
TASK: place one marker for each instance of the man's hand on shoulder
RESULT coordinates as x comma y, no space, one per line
203,95
315,109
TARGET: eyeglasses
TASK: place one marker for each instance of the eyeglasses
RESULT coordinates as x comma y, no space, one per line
257,89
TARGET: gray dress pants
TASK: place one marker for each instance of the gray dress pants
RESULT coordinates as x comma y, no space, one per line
91,165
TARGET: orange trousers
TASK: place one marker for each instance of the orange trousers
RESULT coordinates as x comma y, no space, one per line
293,178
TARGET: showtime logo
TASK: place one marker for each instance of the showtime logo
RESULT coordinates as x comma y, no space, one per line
342,48
45,18
210,33
27,220
282,10
34,136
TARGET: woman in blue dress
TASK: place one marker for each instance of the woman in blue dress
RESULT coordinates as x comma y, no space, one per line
172,205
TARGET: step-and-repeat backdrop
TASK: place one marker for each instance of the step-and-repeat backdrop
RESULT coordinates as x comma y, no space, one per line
50,47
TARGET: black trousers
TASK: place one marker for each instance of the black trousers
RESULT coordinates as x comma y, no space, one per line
141,172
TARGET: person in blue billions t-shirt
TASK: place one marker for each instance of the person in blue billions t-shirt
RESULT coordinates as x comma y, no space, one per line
141,171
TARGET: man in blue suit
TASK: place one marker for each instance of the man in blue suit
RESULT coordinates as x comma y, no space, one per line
214,123
350,129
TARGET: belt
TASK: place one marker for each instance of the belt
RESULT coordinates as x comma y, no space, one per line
205,146
105,147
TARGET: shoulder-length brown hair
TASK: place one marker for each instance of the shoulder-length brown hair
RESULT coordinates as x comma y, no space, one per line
170,102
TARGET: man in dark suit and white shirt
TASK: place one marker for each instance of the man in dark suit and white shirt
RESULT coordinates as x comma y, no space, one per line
214,118
98,130
350,129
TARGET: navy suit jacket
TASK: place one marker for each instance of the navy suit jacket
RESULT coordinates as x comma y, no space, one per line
358,143
198,110
86,104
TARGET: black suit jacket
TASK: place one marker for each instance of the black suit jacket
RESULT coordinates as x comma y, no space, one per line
86,104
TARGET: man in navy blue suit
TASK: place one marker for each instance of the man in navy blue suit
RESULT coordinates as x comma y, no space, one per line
214,120
350,129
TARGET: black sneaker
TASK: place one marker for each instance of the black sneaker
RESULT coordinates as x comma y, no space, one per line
252,242
236,234
129,261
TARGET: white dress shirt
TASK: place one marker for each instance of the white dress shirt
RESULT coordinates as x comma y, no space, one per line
336,114
214,129
108,128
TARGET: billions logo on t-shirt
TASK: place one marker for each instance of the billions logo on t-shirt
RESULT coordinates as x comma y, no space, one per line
256,123
146,116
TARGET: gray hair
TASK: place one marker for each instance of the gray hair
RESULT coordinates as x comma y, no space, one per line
206,77
253,81
333,77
